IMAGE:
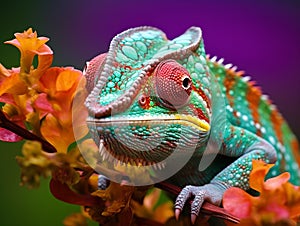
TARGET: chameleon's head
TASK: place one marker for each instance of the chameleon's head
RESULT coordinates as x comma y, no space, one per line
150,97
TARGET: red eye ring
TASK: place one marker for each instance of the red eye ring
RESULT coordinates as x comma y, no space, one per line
142,100
173,84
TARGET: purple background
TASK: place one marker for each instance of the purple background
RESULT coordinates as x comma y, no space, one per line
260,37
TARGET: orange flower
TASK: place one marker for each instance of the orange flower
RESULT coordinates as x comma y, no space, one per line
10,82
30,45
278,202
151,209
12,91
62,85
18,85
45,98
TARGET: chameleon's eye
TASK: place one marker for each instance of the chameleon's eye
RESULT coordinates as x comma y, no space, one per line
173,84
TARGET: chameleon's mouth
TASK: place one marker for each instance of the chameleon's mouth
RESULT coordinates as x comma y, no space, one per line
146,140
184,120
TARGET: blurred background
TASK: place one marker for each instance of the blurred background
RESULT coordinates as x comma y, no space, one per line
260,37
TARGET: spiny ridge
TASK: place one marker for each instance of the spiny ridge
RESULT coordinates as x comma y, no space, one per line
229,68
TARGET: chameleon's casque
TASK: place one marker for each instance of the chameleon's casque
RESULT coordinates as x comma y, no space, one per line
151,97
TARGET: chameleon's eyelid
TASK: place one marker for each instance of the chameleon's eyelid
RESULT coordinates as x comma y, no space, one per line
172,84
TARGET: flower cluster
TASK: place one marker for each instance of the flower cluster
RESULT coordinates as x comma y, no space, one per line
35,163
278,202
45,105
40,99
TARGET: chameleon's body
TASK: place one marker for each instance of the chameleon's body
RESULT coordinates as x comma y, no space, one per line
168,88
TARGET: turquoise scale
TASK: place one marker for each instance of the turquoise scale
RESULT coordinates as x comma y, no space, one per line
264,127
138,49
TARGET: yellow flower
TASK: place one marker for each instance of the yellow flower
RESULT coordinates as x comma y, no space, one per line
34,164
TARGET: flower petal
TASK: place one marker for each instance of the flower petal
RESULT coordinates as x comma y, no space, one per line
43,49
8,99
13,85
44,62
151,199
236,195
76,219
8,136
277,182
48,80
14,42
258,174
279,211
63,192
42,104
3,72
28,40
163,212
60,137
30,45
67,79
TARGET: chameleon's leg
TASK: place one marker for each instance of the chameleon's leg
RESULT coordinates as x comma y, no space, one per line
237,143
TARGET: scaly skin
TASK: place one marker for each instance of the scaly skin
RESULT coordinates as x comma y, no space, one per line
148,88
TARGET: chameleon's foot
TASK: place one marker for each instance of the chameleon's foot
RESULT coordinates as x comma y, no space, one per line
210,192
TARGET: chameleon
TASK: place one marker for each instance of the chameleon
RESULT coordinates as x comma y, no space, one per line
148,88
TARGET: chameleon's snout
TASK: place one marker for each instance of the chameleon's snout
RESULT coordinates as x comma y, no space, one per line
147,140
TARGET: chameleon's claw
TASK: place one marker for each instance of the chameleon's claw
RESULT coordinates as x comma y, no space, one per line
177,213
197,203
209,192
193,218
183,196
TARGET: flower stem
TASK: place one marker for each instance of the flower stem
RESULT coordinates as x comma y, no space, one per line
22,132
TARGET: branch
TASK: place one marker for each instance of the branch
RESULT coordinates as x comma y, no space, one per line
64,193
207,208
89,200
22,132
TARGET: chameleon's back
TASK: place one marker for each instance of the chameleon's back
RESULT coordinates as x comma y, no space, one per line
248,108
